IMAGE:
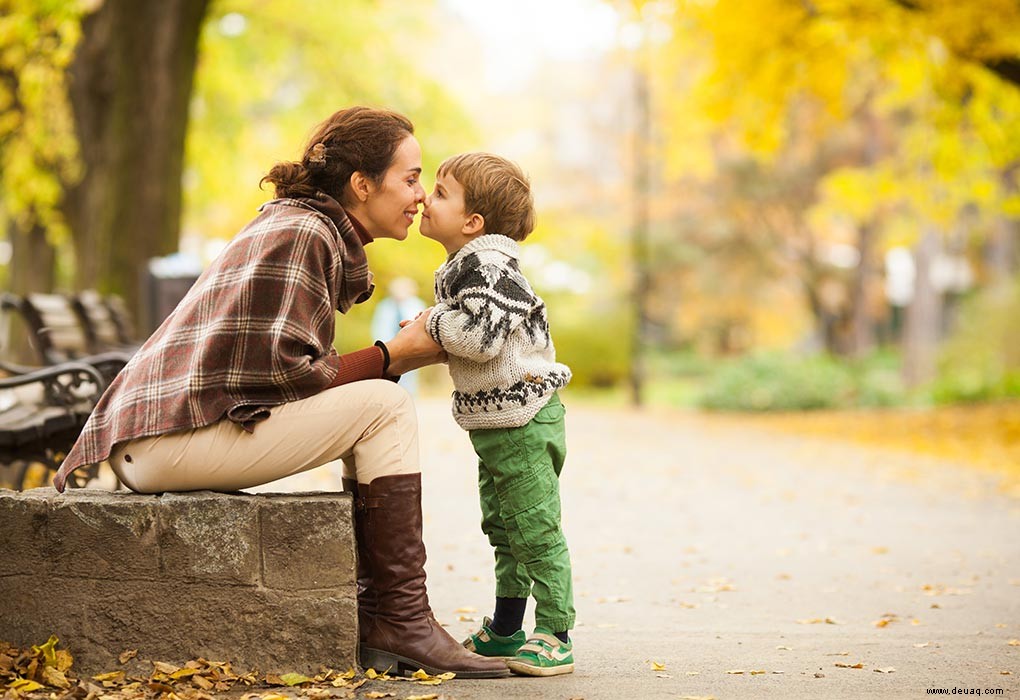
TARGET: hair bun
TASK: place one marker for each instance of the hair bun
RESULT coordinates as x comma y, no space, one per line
317,156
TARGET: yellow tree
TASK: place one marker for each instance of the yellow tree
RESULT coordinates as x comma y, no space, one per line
906,73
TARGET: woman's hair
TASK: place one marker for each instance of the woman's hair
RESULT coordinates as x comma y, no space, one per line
357,139
495,188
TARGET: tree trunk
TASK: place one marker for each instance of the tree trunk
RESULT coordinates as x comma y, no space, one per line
130,85
863,340
639,237
32,269
924,315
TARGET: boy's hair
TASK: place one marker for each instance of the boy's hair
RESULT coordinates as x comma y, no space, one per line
495,188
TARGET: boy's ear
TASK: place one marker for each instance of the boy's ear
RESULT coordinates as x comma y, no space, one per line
361,186
475,224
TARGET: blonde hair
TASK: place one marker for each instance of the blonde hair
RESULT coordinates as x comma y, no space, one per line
496,189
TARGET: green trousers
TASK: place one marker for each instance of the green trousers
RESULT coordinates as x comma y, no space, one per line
519,488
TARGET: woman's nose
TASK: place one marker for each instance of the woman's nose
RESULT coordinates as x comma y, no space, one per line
421,195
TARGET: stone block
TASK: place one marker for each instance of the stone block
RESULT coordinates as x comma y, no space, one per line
252,628
307,541
23,526
210,537
103,534
179,576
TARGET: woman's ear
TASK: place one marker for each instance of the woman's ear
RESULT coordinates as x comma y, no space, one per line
475,224
361,186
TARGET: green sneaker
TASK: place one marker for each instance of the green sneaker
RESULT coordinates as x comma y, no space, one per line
543,655
487,643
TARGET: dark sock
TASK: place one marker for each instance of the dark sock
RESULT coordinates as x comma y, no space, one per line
509,615
562,636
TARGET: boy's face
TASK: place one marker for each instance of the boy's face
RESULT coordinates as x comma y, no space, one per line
444,219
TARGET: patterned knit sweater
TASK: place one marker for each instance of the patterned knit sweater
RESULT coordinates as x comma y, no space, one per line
494,329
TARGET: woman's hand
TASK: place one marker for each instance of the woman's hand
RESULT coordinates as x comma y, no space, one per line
413,347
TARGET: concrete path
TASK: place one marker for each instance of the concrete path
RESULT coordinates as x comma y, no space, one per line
713,559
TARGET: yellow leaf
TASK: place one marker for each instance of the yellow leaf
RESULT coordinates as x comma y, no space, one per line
48,650
127,655
856,665
64,660
889,669
164,667
1014,642
202,682
881,623
112,676
51,676
736,673
24,686
293,679
466,610
433,696
656,666
757,672
375,695
183,673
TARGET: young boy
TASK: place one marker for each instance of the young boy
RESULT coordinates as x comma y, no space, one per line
494,330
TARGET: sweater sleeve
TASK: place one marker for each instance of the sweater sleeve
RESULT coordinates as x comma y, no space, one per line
488,304
360,364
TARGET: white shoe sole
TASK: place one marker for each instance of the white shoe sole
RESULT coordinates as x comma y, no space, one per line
529,670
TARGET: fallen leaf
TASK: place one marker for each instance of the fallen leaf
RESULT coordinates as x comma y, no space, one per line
466,610
856,665
203,682
293,679
1005,673
879,550
467,618
656,666
433,696
922,645
757,672
784,648
818,621
888,669
663,675
23,685
1014,642
127,655
52,677
736,672
112,676
164,667
375,695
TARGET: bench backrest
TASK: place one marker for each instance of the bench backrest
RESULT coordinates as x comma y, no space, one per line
58,333
98,321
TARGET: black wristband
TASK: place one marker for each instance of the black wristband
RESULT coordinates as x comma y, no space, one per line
385,355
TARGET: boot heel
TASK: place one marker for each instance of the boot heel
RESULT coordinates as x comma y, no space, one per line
381,661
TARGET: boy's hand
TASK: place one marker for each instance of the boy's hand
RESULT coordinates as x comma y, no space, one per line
413,347
419,315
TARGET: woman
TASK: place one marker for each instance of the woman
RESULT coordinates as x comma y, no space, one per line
241,386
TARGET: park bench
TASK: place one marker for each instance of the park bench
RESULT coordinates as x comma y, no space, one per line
42,412
58,334
105,320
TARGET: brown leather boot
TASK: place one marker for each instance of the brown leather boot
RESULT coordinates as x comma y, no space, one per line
405,636
366,594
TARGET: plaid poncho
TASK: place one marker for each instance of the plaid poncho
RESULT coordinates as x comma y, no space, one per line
255,331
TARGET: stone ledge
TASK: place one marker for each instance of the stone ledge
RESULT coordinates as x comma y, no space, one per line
265,581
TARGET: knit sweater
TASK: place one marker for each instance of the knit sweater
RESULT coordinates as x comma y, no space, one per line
494,329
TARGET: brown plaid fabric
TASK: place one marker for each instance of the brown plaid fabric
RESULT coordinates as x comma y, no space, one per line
255,331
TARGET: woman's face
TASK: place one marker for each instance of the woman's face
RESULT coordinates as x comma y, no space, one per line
390,207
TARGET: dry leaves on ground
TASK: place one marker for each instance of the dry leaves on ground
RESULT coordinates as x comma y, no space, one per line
47,672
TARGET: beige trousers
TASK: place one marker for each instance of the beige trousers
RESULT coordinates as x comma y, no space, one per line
370,424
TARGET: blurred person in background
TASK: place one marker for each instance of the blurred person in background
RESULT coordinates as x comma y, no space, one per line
402,304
